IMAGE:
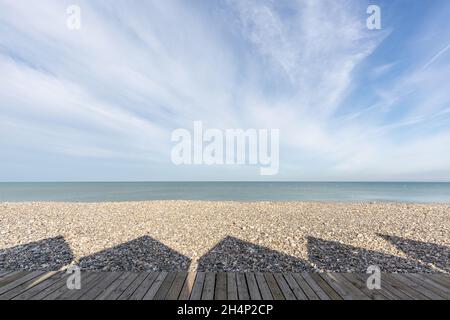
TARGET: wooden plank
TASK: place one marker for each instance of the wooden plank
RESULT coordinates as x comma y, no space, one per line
116,288
10,277
26,286
428,282
133,286
253,287
409,294
165,286
50,289
309,292
354,291
242,288
360,281
318,290
208,286
273,286
21,280
287,292
298,292
177,286
198,286
263,287
62,288
220,293
100,286
232,286
324,286
393,289
355,284
26,295
145,285
418,287
441,278
86,287
87,283
109,291
185,293
151,293
337,286
4,273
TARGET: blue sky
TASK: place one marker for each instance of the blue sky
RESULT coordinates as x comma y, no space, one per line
100,103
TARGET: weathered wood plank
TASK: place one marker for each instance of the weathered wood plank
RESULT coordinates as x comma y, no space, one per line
441,278
198,286
128,292
220,293
309,292
360,282
165,286
4,273
321,293
177,286
50,289
54,293
232,292
208,287
108,291
298,292
19,281
87,283
387,286
186,291
417,287
353,290
324,286
26,286
26,295
242,288
263,287
428,283
10,277
100,286
145,285
222,286
118,287
253,287
287,292
151,293
273,286
409,294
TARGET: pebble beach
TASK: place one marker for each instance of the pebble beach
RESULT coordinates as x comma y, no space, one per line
225,236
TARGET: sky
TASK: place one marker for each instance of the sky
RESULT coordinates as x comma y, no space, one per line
100,103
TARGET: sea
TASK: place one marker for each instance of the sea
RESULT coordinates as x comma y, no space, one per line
413,192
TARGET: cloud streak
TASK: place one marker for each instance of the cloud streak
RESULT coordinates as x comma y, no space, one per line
102,102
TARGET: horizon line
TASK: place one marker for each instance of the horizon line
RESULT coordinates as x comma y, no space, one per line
233,181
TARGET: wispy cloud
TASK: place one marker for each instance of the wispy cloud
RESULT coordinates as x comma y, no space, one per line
436,56
101,102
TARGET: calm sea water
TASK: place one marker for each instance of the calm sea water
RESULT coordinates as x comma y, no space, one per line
240,191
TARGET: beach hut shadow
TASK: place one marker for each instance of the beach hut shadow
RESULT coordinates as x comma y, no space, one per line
141,254
44,255
235,255
425,252
331,256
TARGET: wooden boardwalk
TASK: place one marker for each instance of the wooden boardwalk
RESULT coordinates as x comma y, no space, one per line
19,285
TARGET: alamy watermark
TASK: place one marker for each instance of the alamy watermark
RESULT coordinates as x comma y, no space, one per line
227,147
73,281
73,21
374,280
373,22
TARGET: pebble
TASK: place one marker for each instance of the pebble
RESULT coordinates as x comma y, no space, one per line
225,236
